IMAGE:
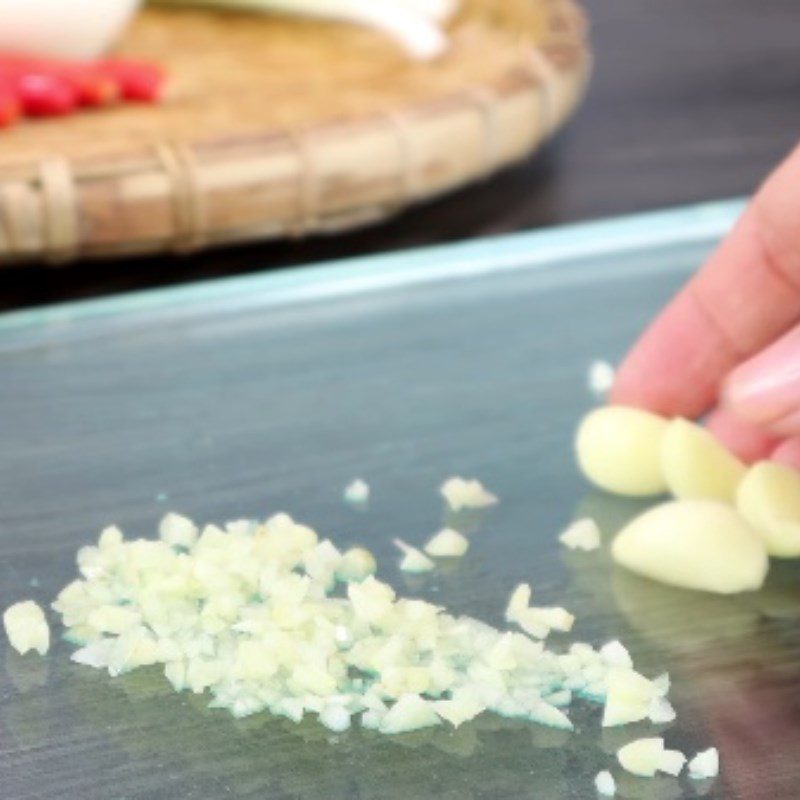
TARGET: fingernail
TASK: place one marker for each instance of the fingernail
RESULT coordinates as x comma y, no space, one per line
767,387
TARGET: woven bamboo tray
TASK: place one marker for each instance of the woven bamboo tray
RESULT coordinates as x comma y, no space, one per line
276,128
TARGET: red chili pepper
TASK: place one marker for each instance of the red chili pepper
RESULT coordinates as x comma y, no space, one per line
40,87
43,95
10,109
92,87
138,81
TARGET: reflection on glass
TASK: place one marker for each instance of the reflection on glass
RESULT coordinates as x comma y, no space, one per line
735,661
139,718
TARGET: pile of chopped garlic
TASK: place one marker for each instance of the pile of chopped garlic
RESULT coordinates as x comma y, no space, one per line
266,616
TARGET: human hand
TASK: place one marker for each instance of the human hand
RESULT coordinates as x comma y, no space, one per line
728,344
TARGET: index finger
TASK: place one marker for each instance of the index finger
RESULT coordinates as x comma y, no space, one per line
744,297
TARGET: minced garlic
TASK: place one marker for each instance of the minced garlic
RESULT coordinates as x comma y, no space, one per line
705,764
357,493
414,560
461,493
26,627
645,757
448,543
583,534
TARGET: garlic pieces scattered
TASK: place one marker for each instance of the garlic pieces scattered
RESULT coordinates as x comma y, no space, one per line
583,534
448,543
536,622
605,784
645,757
249,614
414,560
630,697
705,765
600,378
460,493
357,493
26,627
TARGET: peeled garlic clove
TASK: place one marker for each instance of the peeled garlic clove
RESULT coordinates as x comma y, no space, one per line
769,499
694,544
696,465
27,628
448,543
619,449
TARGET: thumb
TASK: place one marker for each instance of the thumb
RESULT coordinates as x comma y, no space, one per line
766,389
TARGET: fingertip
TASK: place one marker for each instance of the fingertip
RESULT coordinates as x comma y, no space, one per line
677,365
631,388
744,439
638,384
788,453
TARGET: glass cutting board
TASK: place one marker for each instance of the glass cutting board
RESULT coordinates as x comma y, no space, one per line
244,397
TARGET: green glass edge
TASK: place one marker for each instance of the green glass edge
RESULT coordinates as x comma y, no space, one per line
526,250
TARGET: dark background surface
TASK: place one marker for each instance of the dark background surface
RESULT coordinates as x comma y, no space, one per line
691,100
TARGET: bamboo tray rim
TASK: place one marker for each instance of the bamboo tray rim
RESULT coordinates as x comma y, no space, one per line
484,257
44,213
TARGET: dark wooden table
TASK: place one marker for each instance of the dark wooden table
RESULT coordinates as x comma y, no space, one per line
692,100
